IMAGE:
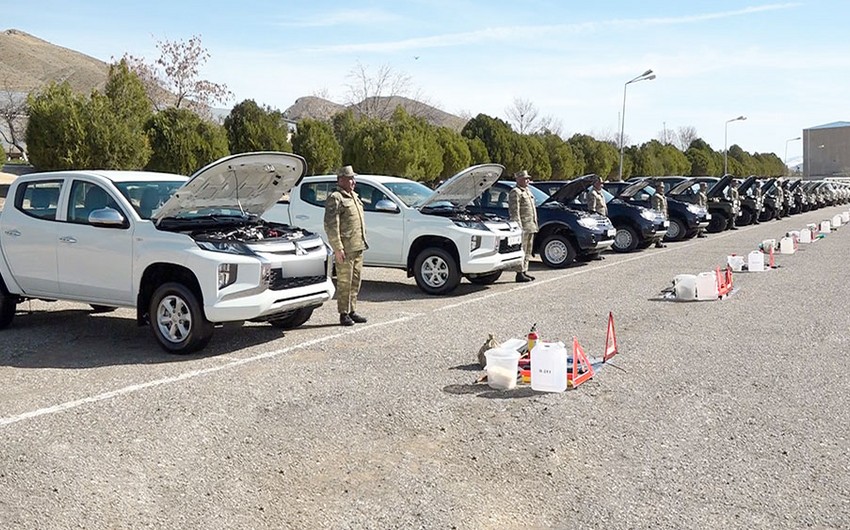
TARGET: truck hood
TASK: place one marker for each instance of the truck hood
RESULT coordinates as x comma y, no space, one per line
631,191
746,185
250,182
464,187
571,189
719,187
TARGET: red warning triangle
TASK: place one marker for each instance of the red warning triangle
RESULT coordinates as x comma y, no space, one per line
611,348
576,377
772,263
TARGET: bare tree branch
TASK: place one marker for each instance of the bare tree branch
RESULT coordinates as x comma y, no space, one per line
522,115
684,136
13,118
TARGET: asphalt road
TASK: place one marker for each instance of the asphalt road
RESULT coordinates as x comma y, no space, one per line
730,413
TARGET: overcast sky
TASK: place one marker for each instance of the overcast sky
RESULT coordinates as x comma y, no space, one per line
783,65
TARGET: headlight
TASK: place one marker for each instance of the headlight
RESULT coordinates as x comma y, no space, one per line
226,274
474,225
649,215
228,247
587,222
694,209
474,243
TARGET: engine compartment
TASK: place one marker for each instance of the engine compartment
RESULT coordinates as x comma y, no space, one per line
259,231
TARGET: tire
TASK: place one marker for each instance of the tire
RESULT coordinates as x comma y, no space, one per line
95,308
436,271
295,318
485,279
717,224
626,239
746,217
8,304
177,319
557,252
678,230
767,214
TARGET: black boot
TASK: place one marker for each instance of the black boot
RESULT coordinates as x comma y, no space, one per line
345,320
522,278
357,318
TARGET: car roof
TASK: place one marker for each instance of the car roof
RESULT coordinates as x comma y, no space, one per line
112,175
375,178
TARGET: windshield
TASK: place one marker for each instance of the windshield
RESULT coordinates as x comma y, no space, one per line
539,195
412,193
147,196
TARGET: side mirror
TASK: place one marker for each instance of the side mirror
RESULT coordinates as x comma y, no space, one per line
107,218
386,205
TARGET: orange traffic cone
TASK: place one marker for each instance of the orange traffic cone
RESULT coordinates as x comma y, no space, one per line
611,348
574,379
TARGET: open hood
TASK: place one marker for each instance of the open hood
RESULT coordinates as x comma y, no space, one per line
631,191
572,189
464,187
719,187
679,188
747,184
250,182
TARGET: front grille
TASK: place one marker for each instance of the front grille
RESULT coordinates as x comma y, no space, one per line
504,248
278,283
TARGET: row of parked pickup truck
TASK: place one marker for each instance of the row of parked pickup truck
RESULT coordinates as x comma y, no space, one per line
242,239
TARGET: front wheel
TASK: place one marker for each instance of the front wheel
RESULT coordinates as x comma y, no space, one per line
485,279
294,319
557,252
8,304
718,223
436,271
626,239
676,231
746,217
177,319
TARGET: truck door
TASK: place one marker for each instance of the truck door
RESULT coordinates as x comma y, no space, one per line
29,236
95,263
382,226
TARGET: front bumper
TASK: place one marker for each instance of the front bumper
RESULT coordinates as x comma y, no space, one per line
267,303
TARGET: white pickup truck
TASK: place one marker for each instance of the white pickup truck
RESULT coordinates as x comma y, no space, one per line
186,253
426,232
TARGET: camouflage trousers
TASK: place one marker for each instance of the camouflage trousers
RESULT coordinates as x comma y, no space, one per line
348,281
527,245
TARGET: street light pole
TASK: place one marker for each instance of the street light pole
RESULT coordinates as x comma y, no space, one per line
786,151
725,143
646,76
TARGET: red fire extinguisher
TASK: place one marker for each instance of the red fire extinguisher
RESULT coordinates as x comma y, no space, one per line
532,337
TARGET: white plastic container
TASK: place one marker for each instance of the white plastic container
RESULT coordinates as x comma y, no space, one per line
502,366
786,246
805,236
736,263
707,286
825,227
685,287
768,244
755,261
845,217
549,367
836,221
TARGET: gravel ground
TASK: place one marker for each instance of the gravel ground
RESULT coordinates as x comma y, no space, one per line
730,413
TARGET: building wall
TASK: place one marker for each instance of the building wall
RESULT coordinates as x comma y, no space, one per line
826,152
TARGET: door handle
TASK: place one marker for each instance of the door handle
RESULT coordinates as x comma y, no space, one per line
302,217
13,232
68,239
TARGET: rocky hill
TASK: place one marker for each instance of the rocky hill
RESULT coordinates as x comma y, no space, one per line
28,63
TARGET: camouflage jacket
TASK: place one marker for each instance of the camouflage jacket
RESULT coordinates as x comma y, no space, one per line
523,209
344,222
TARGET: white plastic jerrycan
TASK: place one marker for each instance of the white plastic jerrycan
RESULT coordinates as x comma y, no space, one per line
549,367
685,286
707,286
805,236
502,364
735,262
836,221
845,218
825,226
786,245
755,261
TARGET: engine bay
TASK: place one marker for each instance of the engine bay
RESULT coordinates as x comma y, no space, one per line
252,232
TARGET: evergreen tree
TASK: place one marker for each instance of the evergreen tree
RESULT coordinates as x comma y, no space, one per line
183,142
315,141
251,128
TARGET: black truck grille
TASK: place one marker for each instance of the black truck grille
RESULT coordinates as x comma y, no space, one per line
278,283
504,248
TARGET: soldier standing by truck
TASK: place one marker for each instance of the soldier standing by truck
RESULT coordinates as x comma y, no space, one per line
736,202
346,231
702,201
595,200
659,202
523,210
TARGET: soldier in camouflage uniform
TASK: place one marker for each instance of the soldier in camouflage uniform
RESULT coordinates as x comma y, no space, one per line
659,202
346,231
702,200
736,202
523,210
596,200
